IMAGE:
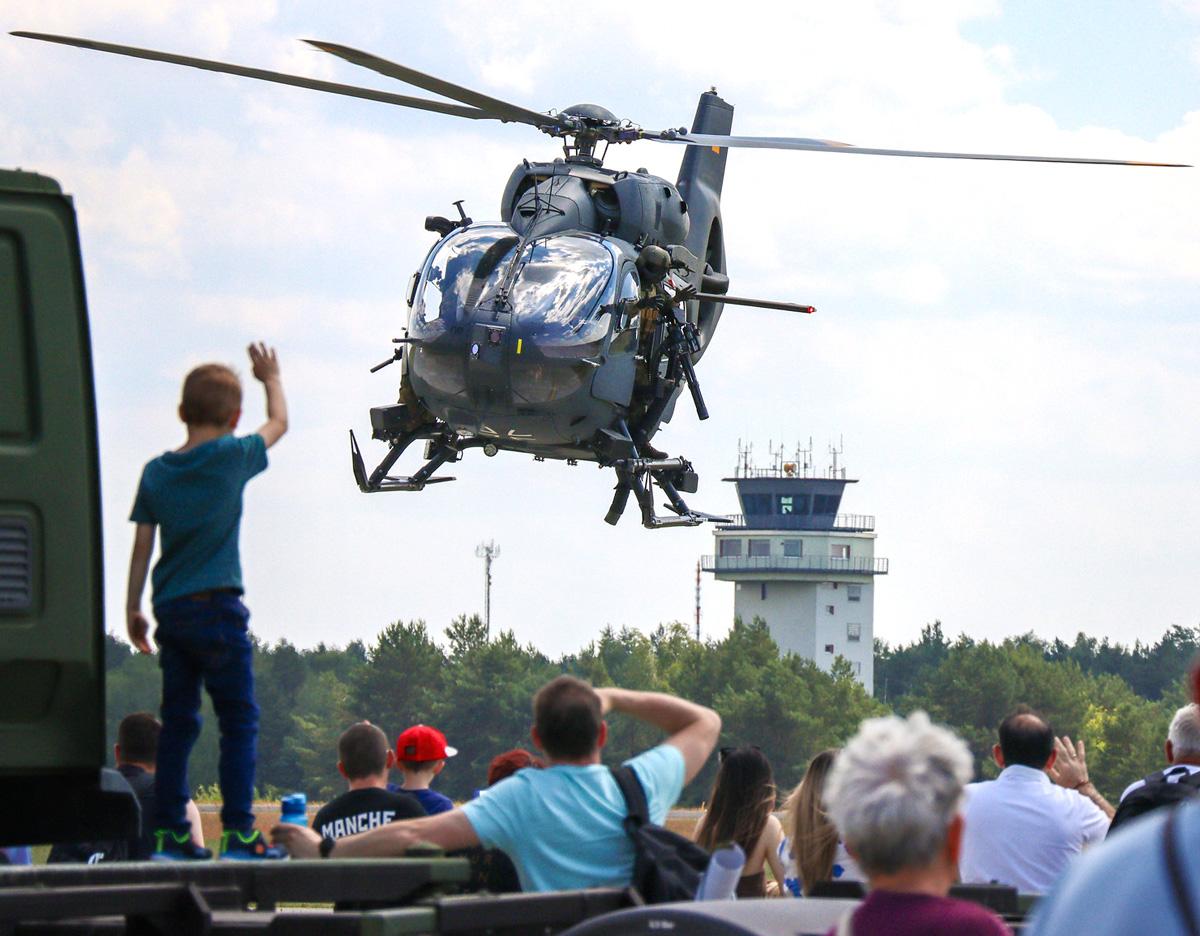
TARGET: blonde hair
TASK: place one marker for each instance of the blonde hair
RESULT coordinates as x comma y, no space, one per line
212,394
814,836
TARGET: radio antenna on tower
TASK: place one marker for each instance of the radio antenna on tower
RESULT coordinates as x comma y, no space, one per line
487,552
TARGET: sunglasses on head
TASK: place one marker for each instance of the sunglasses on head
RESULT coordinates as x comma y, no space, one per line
724,752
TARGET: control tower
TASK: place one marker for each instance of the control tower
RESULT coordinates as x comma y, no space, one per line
799,564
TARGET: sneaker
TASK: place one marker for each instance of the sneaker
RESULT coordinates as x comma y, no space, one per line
170,845
248,846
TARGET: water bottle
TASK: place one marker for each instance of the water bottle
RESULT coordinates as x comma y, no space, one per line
294,809
720,881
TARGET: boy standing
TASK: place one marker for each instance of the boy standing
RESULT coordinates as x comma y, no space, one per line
421,754
194,494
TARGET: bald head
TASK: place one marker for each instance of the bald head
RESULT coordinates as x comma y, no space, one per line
1026,739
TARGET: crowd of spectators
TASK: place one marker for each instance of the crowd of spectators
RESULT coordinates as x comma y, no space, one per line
894,809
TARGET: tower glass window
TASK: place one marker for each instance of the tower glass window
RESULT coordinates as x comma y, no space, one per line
824,504
854,593
854,632
786,504
756,505
760,547
731,547
793,548
840,551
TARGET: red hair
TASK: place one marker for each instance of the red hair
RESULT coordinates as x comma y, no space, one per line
508,763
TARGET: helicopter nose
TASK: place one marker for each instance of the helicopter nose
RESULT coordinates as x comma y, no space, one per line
489,347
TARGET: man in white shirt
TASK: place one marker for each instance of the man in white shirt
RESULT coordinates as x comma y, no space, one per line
1024,827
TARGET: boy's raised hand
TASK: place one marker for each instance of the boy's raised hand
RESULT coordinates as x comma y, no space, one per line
266,368
263,361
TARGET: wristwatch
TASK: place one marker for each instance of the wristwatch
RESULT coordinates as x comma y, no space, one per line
326,846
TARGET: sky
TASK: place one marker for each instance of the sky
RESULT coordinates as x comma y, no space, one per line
1010,353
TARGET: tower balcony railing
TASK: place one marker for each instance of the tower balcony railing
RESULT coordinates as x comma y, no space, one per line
842,523
854,565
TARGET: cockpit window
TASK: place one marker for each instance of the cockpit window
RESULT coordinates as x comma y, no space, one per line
557,283
461,271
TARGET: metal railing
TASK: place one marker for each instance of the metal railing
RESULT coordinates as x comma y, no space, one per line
842,523
859,565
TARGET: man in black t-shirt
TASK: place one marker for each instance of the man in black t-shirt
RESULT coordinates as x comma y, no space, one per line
135,753
364,759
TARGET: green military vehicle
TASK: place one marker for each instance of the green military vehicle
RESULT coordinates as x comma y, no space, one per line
52,744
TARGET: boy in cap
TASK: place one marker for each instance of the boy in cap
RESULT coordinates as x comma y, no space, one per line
421,754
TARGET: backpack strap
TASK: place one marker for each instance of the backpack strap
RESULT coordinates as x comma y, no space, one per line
1192,779
1178,878
638,812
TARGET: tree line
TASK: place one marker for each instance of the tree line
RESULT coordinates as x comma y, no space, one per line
478,690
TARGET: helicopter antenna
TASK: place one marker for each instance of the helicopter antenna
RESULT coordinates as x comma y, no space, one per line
500,303
487,552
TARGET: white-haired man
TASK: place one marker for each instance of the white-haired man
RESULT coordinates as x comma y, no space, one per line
1178,781
895,794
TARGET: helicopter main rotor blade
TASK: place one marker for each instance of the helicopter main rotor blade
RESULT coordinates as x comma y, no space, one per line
828,146
502,110
369,94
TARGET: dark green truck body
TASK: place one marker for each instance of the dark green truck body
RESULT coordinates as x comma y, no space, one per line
52,744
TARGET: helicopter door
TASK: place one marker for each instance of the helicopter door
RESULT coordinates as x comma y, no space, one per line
614,381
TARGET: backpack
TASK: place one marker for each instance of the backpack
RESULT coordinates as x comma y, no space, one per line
666,867
1160,790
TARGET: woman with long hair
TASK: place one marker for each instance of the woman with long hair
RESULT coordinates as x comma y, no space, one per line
813,844
740,811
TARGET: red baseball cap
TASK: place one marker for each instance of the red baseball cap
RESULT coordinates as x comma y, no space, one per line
422,743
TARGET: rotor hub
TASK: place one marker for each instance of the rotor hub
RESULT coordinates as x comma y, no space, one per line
592,114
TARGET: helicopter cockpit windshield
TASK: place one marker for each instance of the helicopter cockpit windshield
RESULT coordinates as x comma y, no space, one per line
554,296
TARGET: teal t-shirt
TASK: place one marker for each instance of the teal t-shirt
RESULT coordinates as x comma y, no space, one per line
195,500
562,826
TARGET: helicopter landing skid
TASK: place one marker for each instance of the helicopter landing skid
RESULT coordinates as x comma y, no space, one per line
636,475
379,480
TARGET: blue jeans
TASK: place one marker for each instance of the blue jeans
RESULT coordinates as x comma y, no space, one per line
205,640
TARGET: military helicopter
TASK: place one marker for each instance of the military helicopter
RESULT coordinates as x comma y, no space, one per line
569,328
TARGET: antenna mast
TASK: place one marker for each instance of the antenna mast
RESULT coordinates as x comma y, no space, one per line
697,600
487,552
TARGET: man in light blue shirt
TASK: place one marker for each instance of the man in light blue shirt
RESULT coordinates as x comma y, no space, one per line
561,826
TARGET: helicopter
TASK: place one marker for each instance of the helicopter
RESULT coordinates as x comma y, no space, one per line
569,328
